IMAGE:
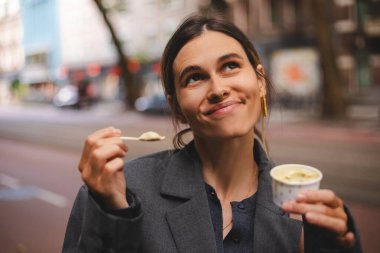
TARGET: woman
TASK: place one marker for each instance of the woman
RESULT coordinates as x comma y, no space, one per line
213,194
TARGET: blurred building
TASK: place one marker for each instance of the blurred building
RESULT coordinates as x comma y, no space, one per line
41,44
143,27
67,41
357,24
11,50
51,43
283,33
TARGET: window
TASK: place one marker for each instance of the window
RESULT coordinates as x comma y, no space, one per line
38,59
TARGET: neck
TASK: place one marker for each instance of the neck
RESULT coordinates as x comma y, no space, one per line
229,167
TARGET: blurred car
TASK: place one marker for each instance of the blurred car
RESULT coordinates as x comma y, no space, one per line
67,96
156,104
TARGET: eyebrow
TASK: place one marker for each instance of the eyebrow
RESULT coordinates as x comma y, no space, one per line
194,68
188,69
230,55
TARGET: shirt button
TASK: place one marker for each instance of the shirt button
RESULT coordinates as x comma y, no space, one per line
236,239
213,193
241,206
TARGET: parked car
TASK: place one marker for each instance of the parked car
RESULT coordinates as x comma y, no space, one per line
67,96
156,104
79,96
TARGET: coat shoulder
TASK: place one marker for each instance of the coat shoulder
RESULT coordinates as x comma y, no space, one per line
146,169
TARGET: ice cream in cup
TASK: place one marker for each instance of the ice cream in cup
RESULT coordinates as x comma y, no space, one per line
288,180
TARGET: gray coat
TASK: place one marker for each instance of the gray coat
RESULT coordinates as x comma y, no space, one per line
174,215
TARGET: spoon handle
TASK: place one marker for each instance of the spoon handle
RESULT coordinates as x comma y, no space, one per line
129,138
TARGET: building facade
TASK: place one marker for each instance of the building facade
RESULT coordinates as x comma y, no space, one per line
283,29
56,42
11,50
47,44
143,27
41,43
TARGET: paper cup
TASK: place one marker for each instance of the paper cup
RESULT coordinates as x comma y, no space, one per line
288,180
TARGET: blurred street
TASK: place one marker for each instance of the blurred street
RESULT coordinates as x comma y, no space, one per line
40,147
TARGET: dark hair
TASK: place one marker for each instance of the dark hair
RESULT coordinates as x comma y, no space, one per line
191,28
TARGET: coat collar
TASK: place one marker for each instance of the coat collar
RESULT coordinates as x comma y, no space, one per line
274,231
264,191
183,177
190,222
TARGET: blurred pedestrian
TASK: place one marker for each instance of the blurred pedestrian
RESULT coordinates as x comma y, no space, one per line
15,90
87,93
214,193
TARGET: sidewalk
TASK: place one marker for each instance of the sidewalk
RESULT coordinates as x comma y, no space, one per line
357,115
362,125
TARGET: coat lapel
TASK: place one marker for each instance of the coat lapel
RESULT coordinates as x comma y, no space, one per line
274,231
191,226
189,222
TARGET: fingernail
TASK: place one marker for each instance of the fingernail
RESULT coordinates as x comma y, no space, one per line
117,131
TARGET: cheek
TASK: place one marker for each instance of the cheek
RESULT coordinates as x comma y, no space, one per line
189,103
248,85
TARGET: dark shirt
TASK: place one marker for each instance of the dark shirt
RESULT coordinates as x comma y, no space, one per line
240,237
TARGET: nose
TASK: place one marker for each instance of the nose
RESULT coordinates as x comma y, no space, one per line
218,91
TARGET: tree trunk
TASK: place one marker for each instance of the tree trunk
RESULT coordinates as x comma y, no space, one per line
333,101
126,77
215,7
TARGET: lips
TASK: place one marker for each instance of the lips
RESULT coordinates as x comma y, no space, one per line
222,107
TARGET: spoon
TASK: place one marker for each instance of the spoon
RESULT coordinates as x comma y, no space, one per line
148,136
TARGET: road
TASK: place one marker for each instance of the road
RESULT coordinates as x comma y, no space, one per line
30,220
40,149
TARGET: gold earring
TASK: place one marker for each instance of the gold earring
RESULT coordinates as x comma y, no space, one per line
264,106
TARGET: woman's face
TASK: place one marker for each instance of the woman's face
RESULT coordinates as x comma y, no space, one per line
217,89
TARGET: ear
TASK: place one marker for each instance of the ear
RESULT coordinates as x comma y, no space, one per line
261,80
173,103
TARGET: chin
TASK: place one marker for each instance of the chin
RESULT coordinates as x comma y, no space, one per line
224,129
225,134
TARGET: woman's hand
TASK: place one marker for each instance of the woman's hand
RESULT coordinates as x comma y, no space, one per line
101,166
323,208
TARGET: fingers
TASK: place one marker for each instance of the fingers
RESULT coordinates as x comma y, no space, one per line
333,224
99,181
106,149
320,215
323,201
103,158
101,147
98,139
101,166
322,208
303,208
348,240
325,196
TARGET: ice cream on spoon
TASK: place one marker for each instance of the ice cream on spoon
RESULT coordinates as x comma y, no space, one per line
147,136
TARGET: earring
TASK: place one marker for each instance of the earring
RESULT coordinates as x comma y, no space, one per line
264,111
264,106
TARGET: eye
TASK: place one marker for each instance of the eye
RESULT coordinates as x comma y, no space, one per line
194,78
230,65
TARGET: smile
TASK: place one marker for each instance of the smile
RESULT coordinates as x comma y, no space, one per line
223,108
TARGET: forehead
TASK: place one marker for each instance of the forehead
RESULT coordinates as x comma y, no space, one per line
209,45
